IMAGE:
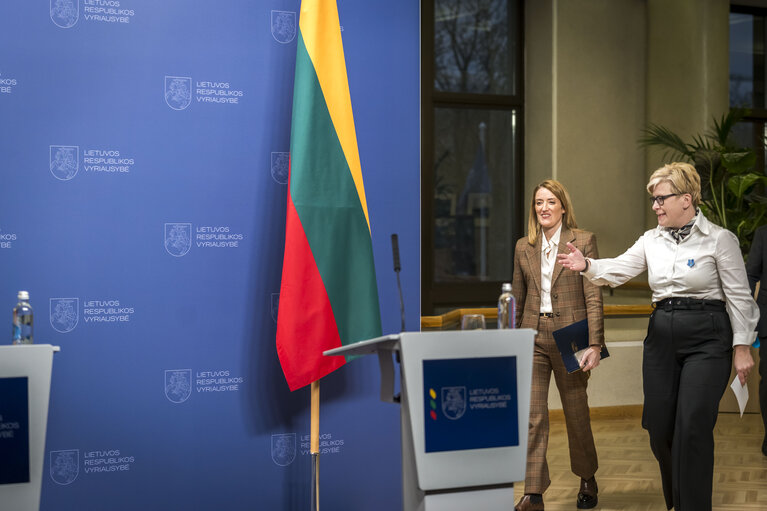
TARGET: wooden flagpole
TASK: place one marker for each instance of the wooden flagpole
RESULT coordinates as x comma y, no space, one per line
314,438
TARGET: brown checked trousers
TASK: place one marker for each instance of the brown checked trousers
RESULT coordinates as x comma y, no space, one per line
573,298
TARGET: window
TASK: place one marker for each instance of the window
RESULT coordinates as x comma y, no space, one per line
747,76
472,119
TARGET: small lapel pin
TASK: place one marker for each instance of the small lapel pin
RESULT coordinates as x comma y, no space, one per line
691,262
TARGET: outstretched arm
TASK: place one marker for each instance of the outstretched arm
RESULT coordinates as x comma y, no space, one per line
574,260
611,271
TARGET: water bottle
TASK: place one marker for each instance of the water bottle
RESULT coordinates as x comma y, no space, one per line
22,320
507,308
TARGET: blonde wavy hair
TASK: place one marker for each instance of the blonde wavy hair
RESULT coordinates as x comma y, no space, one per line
560,192
682,177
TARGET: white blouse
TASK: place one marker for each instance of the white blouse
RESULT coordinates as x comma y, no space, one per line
707,264
547,267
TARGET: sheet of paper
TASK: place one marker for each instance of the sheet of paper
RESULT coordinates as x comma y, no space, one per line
741,393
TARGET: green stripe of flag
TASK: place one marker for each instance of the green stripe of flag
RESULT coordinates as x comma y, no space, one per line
328,205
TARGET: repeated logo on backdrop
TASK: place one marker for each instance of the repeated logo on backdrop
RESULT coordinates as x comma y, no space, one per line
180,384
7,239
179,237
283,26
64,161
284,447
181,91
7,84
65,312
280,167
65,464
126,163
178,92
66,13
328,444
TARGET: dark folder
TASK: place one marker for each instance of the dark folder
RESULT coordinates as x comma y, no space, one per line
571,341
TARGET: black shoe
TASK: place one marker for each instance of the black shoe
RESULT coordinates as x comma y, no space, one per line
587,495
530,502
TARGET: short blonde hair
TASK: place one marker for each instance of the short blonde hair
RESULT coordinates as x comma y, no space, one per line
560,192
682,177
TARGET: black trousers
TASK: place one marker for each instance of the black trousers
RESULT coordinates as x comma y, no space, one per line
686,368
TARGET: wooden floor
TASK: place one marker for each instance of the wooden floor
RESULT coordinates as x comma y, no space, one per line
628,475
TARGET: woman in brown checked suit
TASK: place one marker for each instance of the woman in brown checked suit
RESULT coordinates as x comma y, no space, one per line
550,297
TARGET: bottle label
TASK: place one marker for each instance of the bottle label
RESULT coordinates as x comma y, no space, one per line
22,327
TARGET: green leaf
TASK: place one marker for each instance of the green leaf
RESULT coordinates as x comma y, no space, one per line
706,161
701,143
739,162
738,185
723,128
656,135
732,185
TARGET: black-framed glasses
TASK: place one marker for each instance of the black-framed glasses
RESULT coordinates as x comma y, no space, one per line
660,199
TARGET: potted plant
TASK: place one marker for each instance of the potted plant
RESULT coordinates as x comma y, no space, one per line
732,188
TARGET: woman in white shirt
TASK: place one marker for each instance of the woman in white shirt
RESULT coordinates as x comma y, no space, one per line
703,311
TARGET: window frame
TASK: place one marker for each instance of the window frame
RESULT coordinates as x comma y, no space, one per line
438,296
756,115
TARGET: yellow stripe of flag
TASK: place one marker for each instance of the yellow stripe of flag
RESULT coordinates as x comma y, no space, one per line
321,31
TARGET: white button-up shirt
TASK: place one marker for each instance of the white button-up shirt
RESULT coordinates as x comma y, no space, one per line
547,267
707,264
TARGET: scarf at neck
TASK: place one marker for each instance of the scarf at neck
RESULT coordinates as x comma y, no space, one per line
680,233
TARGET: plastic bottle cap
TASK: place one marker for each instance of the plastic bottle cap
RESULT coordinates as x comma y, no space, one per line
23,295
506,287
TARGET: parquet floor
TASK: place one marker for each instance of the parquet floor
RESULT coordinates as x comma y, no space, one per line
628,474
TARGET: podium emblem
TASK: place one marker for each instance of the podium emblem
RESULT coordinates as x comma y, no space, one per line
283,26
178,385
284,449
453,402
64,314
65,466
178,92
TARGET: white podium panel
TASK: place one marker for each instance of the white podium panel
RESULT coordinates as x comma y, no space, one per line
465,408
494,499
29,364
443,467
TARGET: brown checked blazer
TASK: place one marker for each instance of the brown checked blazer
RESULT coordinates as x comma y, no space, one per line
569,290
573,298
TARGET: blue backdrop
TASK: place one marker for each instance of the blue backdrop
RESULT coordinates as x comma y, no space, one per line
144,161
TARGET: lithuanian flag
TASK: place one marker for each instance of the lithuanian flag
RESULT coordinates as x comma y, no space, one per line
328,295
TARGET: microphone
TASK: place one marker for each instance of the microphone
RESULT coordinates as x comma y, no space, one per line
395,252
397,269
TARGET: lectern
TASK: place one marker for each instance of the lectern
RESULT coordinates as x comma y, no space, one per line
465,403
25,387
